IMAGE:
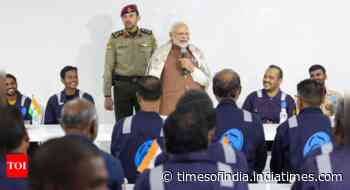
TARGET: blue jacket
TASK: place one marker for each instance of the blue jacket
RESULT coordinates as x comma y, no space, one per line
297,138
243,131
136,141
113,165
204,171
10,183
56,102
335,162
218,152
268,108
23,105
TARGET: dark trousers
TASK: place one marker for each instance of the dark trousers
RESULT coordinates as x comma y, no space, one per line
125,100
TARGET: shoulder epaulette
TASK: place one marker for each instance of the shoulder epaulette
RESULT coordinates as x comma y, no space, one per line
117,33
146,31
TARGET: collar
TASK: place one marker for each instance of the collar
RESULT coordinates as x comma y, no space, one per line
276,96
192,156
126,34
311,110
64,95
228,101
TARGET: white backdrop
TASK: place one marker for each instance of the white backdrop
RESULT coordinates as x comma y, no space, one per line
39,37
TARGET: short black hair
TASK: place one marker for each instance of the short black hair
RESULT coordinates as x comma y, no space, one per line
317,67
186,129
12,129
226,83
8,75
55,162
66,69
311,91
279,70
149,87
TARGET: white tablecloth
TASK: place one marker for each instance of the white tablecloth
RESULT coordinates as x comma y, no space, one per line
44,132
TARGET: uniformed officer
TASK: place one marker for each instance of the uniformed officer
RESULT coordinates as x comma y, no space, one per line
137,139
16,99
300,135
272,104
236,127
79,121
217,151
187,135
69,78
127,55
334,161
318,73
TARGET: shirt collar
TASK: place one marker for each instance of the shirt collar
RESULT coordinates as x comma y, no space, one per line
311,110
192,156
228,101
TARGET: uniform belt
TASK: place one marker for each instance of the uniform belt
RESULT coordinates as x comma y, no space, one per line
125,78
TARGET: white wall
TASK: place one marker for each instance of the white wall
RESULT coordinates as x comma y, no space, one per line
39,37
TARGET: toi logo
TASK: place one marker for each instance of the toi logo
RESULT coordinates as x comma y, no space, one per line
17,165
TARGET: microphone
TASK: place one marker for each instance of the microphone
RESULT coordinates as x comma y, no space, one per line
183,53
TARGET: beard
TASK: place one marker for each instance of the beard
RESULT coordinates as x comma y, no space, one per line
180,44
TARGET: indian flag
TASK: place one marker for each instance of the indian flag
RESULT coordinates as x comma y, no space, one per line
34,109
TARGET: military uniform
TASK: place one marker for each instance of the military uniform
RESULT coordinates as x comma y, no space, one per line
23,105
136,141
243,131
270,109
127,57
56,102
297,138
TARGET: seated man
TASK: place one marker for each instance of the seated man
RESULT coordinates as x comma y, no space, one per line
187,132
67,163
271,104
300,135
13,140
136,140
69,78
16,99
79,120
334,161
237,127
328,106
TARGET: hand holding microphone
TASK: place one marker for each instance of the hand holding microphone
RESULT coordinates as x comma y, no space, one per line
186,64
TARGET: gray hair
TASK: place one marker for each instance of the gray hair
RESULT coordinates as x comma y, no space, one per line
78,119
176,25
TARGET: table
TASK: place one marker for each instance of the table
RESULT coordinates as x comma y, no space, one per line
42,133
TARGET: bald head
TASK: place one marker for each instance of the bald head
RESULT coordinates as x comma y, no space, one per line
79,116
226,84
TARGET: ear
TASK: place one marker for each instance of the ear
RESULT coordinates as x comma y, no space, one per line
138,18
62,81
93,129
211,134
